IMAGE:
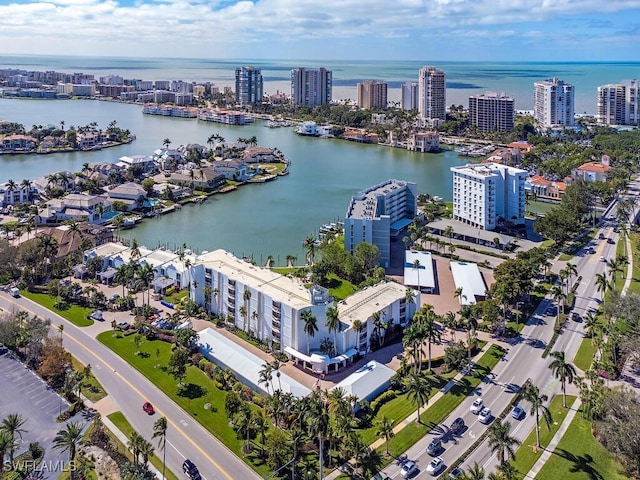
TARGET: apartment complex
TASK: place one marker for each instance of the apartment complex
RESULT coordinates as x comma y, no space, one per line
409,95
377,213
432,93
372,95
492,112
311,87
248,85
618,103
553,103
485,193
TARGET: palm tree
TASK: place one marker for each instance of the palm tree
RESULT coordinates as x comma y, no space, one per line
614,267
357,326
384,428
12,424
475,472
291,260
431,330
531,394
590,324
265,376
66,440
450,321
563,371
412,339
134,444
246,296
418,389
559,296
448,232
310,326
333,324
166,142
160,432
310,245
146,450
416,267
7,443
500,441
602,285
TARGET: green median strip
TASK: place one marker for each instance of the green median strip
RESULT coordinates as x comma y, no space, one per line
125,427
528,454
75,314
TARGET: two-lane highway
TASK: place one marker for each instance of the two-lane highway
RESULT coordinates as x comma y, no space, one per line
186,438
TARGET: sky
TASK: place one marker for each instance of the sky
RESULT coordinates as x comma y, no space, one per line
456,30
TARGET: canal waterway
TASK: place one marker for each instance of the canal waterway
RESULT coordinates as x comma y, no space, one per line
255,220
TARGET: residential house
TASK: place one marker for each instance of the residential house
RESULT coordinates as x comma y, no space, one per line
423,142
205,178
259,155
17,143
75,206
232,170
592,171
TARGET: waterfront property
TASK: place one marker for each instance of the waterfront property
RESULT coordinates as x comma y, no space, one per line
75,206
376,212
418,271
432,94
553,103
484,194
619,104
492,112
311,87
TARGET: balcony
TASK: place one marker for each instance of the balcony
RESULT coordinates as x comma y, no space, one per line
275,324
276,335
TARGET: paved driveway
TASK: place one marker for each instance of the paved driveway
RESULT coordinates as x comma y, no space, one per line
24,393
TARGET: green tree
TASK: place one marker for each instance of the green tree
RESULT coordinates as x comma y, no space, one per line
310,326
501,442
67,440
418,389
563,371
160,432
12,424
531,394
178,364
384,429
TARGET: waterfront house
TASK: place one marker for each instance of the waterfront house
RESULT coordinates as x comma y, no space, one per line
177,191
16,143
91,140
360,136
132,194
205,178
259,155
11,194
542,187
228,117
75,206
142,162
423,142
232,170
167,159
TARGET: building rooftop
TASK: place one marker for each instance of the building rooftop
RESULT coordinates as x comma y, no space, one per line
278,287
596,167
423,276
361,305
366,380
365,203
467,276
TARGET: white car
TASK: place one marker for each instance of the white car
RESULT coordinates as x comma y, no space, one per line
477,406
408,469
435,466
485,416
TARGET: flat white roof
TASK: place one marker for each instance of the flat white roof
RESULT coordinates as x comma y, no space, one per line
468,277
422,276
278,287
107,249
362,304
226,353
366,380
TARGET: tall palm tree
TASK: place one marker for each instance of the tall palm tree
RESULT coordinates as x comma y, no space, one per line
614,267
7,444
310,245
160,432
602,284
432,332
66,440
501,442
470,323
12,424
418,389
559,296
246,296
134,444
310,326
416,267
563,371
333,324
265,376
531,394
146,450
384,428
412,339
475,472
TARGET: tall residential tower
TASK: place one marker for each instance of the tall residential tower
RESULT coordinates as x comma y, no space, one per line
248,85
553,103
492,112
618,104
432,93
372,95
311,87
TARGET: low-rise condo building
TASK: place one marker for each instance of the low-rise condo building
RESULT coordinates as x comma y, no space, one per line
378,213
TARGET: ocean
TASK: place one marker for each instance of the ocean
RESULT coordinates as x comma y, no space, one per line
463,78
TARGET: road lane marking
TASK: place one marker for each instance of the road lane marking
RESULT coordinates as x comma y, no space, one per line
135,389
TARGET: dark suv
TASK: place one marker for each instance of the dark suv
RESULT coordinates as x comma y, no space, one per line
457,426
191,470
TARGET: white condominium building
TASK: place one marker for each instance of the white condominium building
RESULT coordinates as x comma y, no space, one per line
248,85
409,96
553,103
377,212
372,95
484,193
432,93
618,104
492,112
311,87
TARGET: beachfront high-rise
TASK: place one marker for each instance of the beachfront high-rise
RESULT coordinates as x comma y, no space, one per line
618,104
311,87
432,93
485,192
248,85
492,112
372,95
553,103
377,213
409,96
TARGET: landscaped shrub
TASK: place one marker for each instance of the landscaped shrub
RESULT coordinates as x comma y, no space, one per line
385,397
202,365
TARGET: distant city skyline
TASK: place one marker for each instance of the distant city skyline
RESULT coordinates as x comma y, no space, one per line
460,30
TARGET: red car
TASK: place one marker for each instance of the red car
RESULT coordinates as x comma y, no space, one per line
148,408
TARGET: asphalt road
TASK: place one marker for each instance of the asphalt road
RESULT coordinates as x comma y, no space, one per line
130,389
521,362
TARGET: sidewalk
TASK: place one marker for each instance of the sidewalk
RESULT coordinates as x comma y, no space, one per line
414,416
555,440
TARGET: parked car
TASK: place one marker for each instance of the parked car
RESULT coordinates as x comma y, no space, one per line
517,412
477,406
3,349
148,408
601,236
435,466
408,469
611,241
124,325
190,469
97,315
485,416
456,473
602,259
434,447
113,298
457,426
575,316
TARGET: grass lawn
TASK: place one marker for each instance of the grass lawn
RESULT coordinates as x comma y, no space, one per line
579,456
75,314
584,355
539,207
526,456
339,288
91,388
175,298
125,427
634,287
197,391
437,412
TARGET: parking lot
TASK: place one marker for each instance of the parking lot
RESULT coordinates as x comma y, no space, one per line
25,393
